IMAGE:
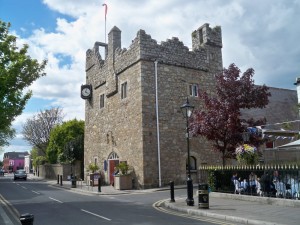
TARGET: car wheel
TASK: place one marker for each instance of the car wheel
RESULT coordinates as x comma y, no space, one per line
25,178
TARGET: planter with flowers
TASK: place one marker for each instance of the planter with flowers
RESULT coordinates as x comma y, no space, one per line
247,154
93,176
123,179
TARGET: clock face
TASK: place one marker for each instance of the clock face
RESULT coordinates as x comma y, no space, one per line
86,92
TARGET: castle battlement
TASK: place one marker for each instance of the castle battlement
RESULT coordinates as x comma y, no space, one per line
207,43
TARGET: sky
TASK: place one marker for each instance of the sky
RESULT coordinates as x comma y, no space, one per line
259,34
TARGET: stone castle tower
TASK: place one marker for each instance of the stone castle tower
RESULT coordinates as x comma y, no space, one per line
123,120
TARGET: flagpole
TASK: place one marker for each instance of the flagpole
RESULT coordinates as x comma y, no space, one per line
105,12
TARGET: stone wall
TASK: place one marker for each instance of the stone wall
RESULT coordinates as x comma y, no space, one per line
50,171
282,156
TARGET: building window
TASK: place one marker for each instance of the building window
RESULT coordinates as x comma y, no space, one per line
270,144
101,101
124,90
193,90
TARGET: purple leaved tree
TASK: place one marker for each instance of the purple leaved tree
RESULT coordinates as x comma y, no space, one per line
219,121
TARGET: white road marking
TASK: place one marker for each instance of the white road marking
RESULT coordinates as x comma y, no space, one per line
23,187
4,215
157,206
95,214
55,200
36,192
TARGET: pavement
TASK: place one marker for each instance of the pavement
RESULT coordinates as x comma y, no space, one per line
233,208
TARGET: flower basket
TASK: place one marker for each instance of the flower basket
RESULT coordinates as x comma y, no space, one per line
247,154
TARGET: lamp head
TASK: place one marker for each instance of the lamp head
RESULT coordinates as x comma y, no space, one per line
187,109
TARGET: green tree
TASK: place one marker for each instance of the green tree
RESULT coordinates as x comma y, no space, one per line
34,155
66,142
17,72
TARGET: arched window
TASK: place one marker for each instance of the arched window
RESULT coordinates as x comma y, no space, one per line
113,155
193,163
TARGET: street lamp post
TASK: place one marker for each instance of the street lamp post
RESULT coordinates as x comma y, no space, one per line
71,161
187,110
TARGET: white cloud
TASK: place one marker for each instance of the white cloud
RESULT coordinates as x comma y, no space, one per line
255,34
263,35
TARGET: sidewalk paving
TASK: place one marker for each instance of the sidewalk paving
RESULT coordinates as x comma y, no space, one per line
238,209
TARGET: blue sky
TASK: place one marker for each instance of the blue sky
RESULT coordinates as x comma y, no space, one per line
263,35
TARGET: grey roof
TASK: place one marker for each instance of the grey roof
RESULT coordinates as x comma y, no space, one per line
15,155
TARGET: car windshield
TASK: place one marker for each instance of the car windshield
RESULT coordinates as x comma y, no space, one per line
20,171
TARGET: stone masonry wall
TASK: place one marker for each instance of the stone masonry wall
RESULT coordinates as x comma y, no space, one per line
127,126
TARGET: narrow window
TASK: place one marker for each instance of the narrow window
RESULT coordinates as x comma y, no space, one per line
124,90
193,164
193,90
101,101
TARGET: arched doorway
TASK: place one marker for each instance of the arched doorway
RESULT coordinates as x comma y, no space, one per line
113,161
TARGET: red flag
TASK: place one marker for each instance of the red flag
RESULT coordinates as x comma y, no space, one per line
105,9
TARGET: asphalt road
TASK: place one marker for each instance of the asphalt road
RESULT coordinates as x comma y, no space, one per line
51,205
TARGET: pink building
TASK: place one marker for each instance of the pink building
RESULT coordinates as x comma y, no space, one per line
13,161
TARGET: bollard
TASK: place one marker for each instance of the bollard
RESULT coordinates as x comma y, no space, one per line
61,182
57,179
172,191
99,184
73,181
203,196
26,219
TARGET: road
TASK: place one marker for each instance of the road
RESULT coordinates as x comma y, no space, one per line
51,205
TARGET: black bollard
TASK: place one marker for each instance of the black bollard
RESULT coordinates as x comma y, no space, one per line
26,219
99,184
57,178
73,181
172,191
61,182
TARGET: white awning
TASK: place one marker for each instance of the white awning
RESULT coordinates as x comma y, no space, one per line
291,144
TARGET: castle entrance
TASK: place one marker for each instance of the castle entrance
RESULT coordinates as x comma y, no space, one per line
113,161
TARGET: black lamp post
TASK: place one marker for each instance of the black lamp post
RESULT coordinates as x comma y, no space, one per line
70,156
246,136
72,148
187,111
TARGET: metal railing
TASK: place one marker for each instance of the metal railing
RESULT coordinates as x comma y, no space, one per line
280,181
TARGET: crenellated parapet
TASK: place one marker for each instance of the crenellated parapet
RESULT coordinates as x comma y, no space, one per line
206,36
207,44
